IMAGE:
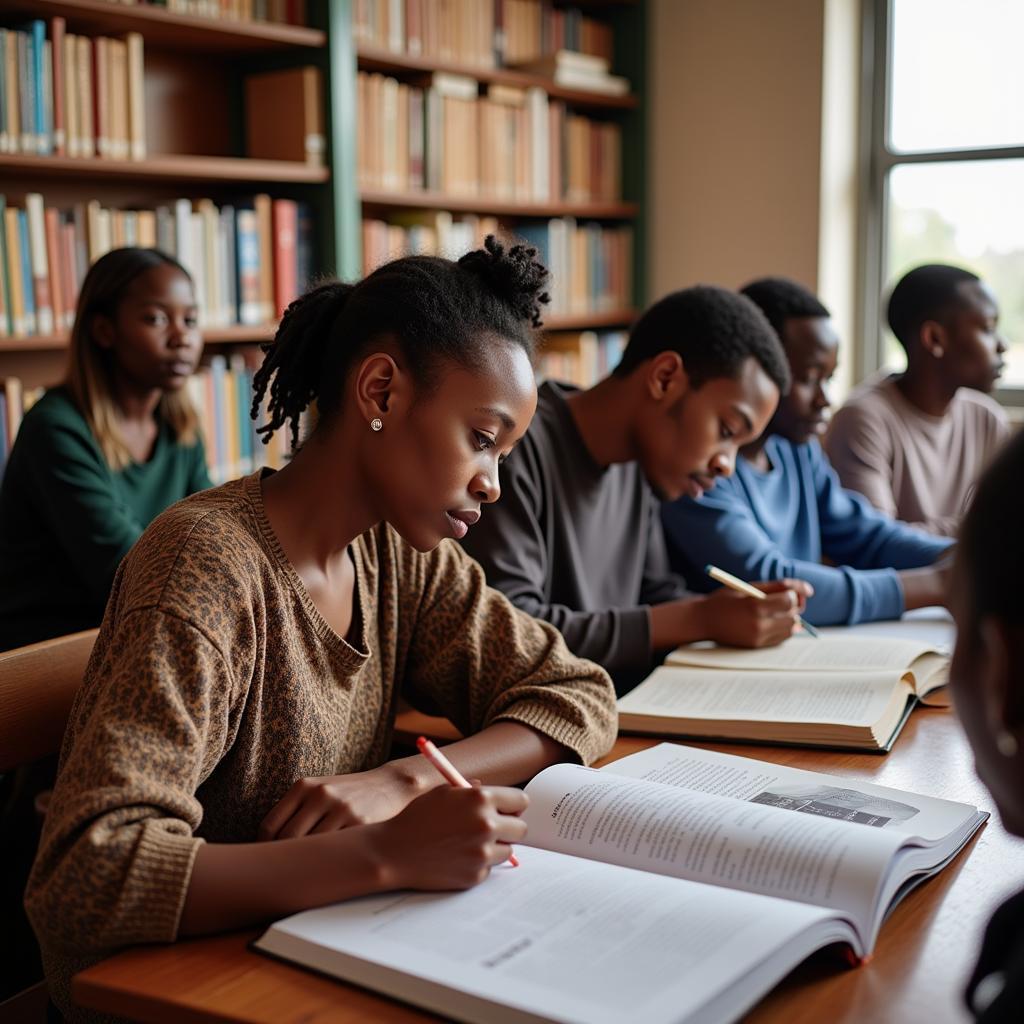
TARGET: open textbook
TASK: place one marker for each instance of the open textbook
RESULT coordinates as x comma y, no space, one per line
675,885
838,691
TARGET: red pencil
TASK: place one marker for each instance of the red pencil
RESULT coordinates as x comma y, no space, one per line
450,774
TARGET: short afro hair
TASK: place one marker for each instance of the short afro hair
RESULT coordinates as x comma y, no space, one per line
781,299
715,331
925,293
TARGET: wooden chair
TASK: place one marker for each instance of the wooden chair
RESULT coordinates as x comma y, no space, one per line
38,684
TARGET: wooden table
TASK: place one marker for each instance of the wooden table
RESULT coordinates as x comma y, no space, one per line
921,963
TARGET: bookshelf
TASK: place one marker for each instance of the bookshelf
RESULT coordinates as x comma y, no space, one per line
193,83
194,69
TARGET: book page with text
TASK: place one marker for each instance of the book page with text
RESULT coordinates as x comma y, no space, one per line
800,653
748,846
750,780
857,699
560,938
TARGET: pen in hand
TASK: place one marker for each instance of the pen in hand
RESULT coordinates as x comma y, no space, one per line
741,586
451,775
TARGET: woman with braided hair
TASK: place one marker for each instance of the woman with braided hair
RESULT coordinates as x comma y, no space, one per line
226,761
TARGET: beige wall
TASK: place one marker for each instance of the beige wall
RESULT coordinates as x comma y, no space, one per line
735,94
752,146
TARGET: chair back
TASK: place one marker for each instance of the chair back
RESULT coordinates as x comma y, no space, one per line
38,684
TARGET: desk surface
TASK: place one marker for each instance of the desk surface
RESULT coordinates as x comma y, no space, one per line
921,963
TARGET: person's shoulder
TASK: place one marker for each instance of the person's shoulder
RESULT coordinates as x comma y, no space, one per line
872,399
54,416
979,406
203,551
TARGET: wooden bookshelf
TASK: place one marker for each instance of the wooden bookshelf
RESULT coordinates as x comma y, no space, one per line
406,65
160,167
237,334
589,321
164,28
426,200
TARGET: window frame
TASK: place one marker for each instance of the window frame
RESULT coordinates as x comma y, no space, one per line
879,160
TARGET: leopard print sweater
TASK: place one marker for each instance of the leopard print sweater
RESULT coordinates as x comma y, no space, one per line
215,683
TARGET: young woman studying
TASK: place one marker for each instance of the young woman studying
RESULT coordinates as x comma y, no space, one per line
101,456
226,761
987,677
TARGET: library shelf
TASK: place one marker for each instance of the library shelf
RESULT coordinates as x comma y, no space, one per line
163,28
588,321
171,167
427,200
237,334
391,63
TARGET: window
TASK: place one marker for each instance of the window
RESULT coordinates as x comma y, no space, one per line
948,156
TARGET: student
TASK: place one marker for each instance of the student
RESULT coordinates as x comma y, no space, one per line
259,636
95,460
914,443
784,508
98,458
987,679
576,540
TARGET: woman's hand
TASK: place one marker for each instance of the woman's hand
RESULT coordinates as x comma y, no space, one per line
333,802
448,838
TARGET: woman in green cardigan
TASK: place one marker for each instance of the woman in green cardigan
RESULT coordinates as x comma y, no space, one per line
100,456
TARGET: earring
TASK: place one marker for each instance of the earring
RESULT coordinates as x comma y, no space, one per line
937,352
1006,743
376,424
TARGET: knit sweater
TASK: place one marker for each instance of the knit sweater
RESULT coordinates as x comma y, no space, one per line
216,683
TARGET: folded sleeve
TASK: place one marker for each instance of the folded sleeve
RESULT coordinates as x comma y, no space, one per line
118,843
481,660
510,542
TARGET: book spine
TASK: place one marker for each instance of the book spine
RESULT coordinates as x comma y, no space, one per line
85,99
285,226
264,222
25,261
35,217
136,96
15,291
38,73
12,92
59,52
101,103
247,241
6,318
26,93
54,263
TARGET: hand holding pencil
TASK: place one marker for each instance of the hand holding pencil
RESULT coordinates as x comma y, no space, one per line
742,587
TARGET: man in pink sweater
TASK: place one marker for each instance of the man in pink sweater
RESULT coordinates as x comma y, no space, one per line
915,443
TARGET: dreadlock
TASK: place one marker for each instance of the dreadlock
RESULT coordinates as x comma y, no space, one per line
435,309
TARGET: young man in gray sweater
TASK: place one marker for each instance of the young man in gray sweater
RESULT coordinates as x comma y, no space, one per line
576,539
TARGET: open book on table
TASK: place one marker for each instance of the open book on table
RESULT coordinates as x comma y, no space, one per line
842,690
675,885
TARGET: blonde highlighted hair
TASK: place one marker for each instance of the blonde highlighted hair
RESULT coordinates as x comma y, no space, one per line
89,377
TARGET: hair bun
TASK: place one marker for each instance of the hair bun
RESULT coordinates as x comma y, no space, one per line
514,274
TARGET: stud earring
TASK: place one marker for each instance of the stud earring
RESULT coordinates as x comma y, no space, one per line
376,424
1006,743
937,352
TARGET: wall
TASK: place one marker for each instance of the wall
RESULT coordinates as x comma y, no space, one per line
752,146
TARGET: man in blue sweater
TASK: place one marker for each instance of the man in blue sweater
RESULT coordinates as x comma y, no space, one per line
784,508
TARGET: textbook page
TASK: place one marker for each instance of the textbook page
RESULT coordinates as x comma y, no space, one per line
836,698
813,793
563,939
748,846
801,653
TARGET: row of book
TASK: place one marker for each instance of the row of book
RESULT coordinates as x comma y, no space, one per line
222,395
581,358
248,261
71,95
290,12
484,33
511,144
590,265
